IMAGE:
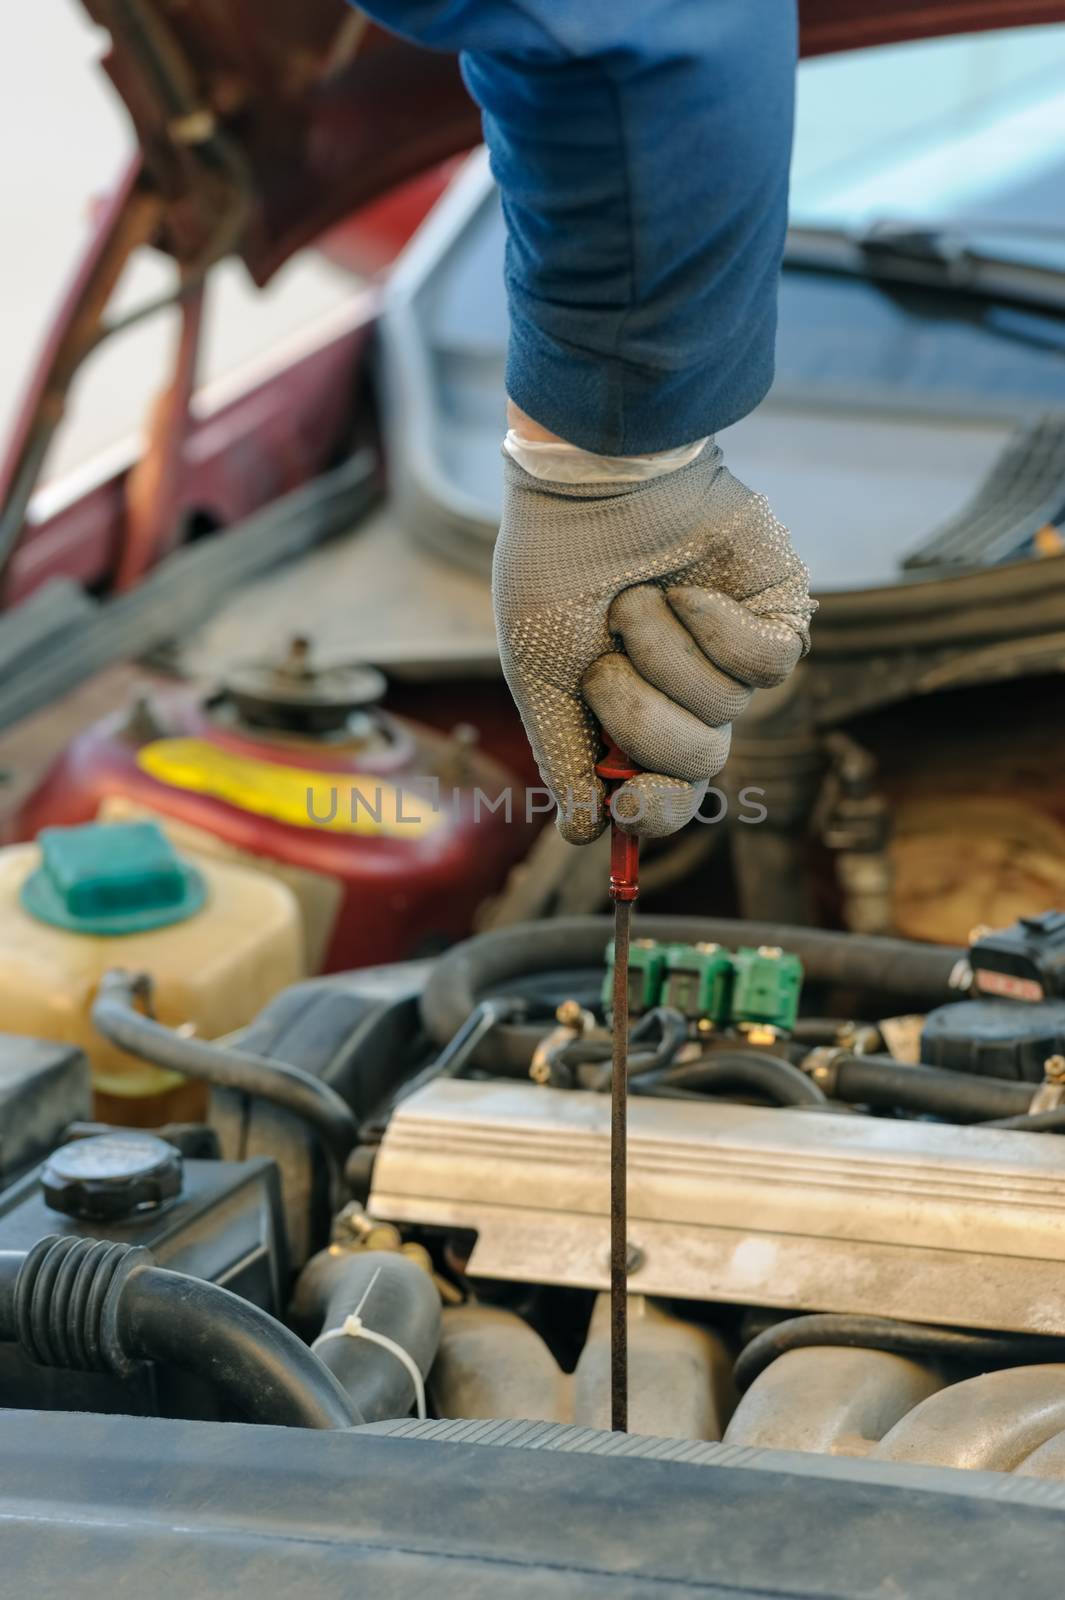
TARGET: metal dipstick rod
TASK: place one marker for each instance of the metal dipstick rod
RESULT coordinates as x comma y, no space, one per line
616,769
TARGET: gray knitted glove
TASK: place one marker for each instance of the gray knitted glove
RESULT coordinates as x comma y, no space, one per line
648,610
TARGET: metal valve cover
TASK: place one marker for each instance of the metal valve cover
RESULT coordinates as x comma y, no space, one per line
798,1210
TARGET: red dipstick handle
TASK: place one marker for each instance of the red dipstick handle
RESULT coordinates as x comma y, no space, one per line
615,769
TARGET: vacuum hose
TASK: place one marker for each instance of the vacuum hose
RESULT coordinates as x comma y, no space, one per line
116,1016
900,1338
895,969
91,1305
885,1084
737,1071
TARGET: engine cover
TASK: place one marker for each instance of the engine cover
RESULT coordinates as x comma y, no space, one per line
797,1210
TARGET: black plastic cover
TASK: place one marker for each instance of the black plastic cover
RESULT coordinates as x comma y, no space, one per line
97,1506
225,1226
357,1031
1023,962
43,1088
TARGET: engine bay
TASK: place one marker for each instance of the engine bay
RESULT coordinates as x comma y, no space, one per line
844,1182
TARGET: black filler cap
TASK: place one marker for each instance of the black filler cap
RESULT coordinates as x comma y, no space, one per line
995,1038
111,1176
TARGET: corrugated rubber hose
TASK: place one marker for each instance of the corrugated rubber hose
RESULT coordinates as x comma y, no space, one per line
92,1305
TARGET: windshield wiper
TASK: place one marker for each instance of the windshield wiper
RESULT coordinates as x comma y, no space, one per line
935,258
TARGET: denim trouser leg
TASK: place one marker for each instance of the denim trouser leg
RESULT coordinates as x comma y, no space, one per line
642,149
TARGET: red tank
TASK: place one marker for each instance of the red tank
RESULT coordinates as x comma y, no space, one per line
391,834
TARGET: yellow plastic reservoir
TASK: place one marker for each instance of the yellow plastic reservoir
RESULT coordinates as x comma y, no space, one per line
217,940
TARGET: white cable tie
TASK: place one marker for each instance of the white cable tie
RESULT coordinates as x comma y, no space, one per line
353,1327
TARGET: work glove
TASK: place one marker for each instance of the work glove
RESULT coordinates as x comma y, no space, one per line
648,612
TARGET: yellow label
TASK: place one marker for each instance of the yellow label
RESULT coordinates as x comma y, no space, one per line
299,796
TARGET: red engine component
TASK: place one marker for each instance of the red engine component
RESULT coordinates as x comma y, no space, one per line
391,834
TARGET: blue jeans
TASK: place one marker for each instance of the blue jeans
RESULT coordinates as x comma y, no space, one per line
642,150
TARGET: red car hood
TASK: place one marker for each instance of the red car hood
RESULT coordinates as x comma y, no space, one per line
263,122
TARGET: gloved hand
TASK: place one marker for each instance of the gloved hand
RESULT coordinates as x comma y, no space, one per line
649,610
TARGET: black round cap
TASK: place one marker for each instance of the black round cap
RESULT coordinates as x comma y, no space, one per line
995,1038
111,1176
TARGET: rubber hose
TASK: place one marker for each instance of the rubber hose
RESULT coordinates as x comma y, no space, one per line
10,1267
899,1338
896,969
886,1084
744,1072
816,1030
586,1054
1039,1122
116,1017
146,1313
393,1296
263,1368
670,1025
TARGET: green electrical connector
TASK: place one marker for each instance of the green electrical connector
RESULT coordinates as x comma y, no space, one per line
697,981
765,987
647,961
710,985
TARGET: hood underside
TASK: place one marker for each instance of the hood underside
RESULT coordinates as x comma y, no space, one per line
262,123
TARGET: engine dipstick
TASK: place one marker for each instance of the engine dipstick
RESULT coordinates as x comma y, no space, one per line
616,769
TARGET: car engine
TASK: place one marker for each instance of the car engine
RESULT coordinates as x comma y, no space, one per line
845,1191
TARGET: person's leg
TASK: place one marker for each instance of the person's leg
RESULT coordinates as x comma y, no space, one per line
642,151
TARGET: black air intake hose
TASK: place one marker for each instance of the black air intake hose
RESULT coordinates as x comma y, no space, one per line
90,1305
391,1295
897,971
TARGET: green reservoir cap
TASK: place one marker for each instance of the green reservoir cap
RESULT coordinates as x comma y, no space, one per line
111,878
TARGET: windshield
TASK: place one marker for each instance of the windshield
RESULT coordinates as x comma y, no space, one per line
965,134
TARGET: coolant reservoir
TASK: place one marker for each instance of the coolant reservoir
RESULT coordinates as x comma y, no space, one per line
391,835
218,941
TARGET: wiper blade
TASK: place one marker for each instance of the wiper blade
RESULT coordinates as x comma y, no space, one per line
935,258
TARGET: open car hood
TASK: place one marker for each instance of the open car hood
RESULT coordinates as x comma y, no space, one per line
264,122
